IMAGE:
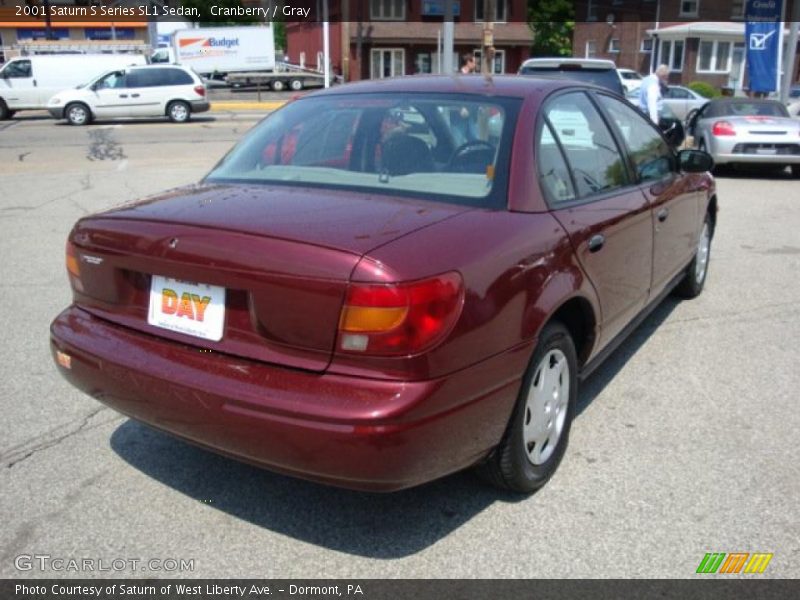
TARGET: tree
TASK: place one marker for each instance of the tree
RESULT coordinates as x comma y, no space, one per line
552,22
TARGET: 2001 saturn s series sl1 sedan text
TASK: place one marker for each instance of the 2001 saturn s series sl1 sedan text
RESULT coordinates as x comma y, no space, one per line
390,281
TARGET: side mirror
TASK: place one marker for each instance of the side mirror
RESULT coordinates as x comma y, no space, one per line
695,161
673,131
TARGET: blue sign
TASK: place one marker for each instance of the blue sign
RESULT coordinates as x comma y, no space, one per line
435,8
763,36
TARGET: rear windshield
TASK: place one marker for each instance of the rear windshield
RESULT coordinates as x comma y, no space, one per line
447,147
747,108
606,78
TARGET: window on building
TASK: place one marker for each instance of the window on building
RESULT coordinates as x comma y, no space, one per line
591,10
387,62
713,57
498,64
672,54
591,48
689,8
423,63
613,46
25,34
737,9
500,11
387,10
647,45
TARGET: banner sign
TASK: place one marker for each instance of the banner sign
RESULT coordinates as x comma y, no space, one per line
763,38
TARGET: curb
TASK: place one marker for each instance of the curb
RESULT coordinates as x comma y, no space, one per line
229,106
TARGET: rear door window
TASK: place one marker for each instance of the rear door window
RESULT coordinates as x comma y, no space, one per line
651,155
592,154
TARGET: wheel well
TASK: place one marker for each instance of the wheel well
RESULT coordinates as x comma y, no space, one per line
577,316
83,104
173,101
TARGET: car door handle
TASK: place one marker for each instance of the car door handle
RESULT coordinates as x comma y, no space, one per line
34,83
123,95
662,215
596,242
134,95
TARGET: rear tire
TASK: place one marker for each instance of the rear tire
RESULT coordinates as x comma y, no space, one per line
694,280
78,114
538,433
795,171
296,85
278,86
179,111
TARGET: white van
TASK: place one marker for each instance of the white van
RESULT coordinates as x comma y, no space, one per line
28,82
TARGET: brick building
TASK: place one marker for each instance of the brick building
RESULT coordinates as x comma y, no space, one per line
701,40
372,39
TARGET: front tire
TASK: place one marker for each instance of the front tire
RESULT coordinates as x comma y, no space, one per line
795,171
694,280
296,85
278,86
178,111
4,112
78,114
538,434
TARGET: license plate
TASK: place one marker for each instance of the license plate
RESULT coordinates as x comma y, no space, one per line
766,151
196,309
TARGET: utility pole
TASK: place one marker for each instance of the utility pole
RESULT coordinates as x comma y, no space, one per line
447,46
487,52
345,31
791,53
48,26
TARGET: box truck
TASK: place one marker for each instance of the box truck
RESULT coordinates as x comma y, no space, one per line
239,55
28,82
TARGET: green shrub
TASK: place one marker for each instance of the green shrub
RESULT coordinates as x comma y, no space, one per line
704,89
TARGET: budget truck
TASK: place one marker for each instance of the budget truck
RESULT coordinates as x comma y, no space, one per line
240,56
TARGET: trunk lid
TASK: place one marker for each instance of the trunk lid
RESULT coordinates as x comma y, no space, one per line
283,256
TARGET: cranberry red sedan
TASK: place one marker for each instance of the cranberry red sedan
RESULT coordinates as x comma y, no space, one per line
391,281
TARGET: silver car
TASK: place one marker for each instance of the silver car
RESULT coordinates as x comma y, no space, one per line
683,101
745,131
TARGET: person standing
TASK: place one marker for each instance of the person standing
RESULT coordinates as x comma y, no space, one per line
467,64
650,97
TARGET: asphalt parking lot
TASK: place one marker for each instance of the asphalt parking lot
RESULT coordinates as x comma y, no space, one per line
686,440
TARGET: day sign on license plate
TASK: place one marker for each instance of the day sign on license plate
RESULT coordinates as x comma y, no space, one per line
196,309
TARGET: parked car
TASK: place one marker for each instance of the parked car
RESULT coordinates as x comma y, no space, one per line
28,83
683,101
586,70
631,80
147,91
739,131
602,73
356,296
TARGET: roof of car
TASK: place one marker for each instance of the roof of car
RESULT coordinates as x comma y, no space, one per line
503,85
594,63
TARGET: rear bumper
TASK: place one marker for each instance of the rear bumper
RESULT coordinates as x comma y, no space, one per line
200,106
358,433
757,159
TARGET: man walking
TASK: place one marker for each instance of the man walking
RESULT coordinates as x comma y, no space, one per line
650,99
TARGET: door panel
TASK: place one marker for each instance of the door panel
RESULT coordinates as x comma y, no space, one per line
111,96
588,184
620,269
675,226
673,202
17,85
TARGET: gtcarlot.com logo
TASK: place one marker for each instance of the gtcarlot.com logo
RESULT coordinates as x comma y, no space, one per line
734,562
47,562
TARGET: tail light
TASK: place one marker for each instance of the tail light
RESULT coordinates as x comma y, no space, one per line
73,267
200,90
723,128
400,318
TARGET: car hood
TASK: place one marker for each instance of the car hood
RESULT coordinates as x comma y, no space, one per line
341,220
